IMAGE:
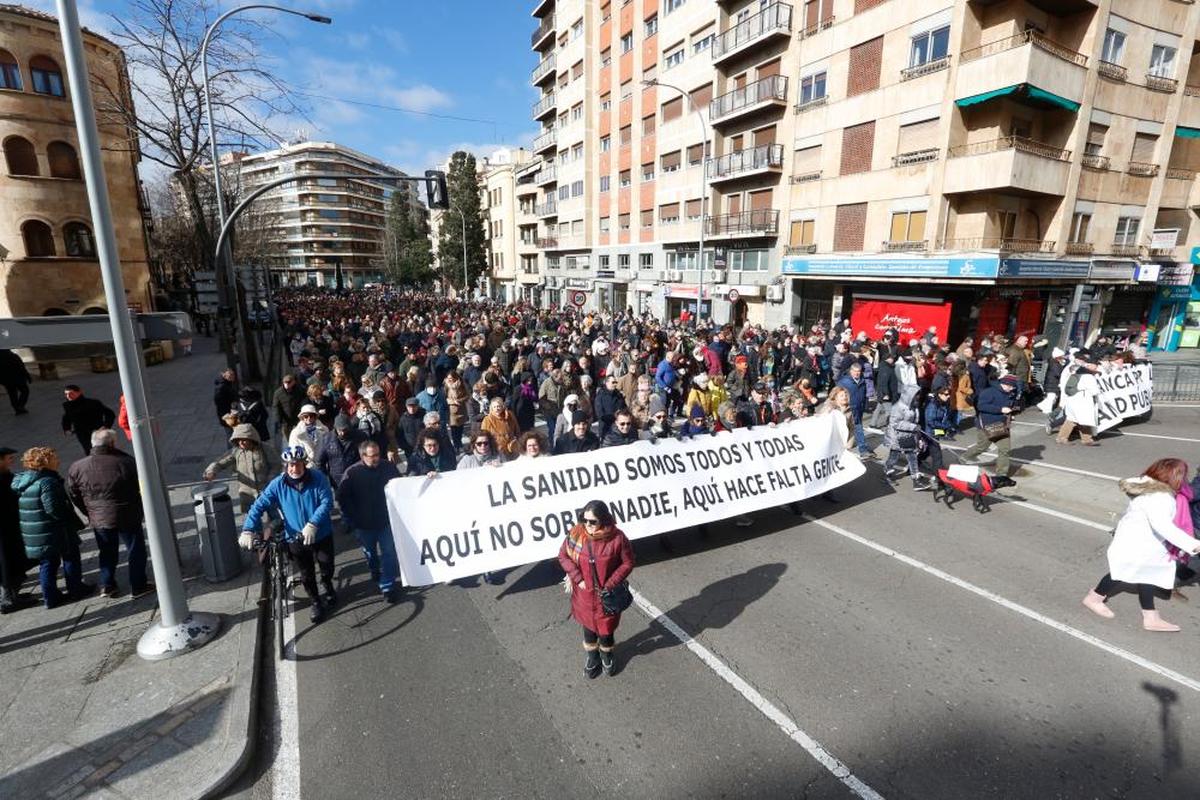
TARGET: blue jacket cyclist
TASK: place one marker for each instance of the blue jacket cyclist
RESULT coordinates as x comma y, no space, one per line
303,499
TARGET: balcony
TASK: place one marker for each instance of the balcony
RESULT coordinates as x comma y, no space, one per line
1180,174
816,27
546,142
547,243
1027,58
540,6
1002,244
1142,169
539,36
544,107
545,68
915,157
766,93
1158,83
1191,91
549,174
904,246
928,68
1078,248
1123,249
1011,162
744,163
800,249
1114,72
773,21
1097,163
547,209
758,222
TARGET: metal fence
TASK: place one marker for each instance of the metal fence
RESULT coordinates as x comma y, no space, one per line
1176,382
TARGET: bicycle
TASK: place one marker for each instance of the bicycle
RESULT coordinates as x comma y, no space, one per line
275,569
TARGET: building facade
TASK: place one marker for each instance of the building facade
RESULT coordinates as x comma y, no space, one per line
981,165
318,226
508,241
48,260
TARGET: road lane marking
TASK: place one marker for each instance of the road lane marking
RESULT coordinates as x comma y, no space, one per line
1100,526
1122,433
785,723
285,771
1045,464
1133,658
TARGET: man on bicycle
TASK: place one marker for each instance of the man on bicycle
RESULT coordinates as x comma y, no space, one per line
302,498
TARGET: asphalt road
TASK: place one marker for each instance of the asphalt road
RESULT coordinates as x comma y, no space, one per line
934,652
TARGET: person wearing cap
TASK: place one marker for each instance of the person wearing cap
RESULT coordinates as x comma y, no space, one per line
411,423
993,407
309,433
251,467
12,548
581,439
758,409
1079,393
856,386
339,451
739,380
302,501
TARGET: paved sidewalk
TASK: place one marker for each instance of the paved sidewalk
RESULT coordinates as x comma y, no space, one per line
83,715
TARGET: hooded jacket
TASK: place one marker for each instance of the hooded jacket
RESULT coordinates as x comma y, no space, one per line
104,486
1137,553
903,417
311,442
251,467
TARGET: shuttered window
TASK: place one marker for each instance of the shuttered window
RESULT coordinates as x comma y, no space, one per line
695,154
670,161
693,209
1143,147
768,69
623,221
802,232
765,136
1095,139
672,109
807,161
760,200
918,136
668,212
648,218
703,96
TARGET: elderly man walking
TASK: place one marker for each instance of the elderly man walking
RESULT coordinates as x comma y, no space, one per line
104,486
364,507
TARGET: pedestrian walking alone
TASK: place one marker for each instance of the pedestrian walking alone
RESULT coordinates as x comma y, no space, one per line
595,555
15,379
82,415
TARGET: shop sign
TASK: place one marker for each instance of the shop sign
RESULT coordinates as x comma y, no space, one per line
1174,293
1175,274
1148,273
1037,268
1111,270
981,267
1196,255
577,283
910,319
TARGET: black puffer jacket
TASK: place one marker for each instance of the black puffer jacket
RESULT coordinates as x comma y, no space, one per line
104,486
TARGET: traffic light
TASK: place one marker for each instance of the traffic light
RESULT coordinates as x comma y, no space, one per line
436,195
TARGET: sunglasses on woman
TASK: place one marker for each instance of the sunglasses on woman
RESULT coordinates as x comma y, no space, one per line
591,522
482,443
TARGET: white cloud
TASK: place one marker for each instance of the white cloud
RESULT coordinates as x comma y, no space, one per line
421,97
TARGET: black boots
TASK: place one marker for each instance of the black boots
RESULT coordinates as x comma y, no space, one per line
330,596
609,661
591,667
316,612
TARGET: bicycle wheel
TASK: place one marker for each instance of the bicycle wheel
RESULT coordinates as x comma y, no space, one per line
279,591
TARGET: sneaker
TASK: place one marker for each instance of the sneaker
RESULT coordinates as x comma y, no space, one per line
921,484
868,456
393,595
110,591
894,470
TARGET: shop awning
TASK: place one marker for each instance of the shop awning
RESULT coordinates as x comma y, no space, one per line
1025,92
1185,132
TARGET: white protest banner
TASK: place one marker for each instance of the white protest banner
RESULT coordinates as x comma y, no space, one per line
1104,399
490,518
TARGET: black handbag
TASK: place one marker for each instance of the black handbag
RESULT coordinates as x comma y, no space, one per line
995,431
615,600
906,441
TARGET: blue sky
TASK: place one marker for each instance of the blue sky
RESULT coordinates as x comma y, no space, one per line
455,58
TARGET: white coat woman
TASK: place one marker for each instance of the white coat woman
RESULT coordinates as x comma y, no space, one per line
1138,555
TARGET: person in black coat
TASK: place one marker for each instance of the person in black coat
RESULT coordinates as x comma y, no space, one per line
13,564
15,379
887,389
82,415
250,410
608,402
523,402
225,394
287,401
623,431
431,456
981,373
412,422
340,451
580,439
1054,371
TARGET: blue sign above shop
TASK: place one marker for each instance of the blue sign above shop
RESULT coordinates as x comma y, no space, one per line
1171,293
1038,268
982,267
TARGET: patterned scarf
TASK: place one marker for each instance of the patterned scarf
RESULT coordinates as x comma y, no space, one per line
578,537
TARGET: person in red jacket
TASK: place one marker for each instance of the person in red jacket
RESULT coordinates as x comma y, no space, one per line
595,550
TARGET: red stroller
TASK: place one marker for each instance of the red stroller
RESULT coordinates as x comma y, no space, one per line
969,481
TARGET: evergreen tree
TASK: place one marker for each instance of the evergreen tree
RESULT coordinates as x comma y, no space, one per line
463,187
408,256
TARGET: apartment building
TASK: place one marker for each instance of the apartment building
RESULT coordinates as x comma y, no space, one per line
979,165
503,216
48,259
323,225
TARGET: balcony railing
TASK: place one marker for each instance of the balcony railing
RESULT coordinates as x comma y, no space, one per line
1191,91
543,105
1158,83
800,249
549,174
1019,143
546,67
771,88
904,246
1179,173
928,68
1003,244
545,141
548,209
805,177
1142,168
915,157
1078,248
1122,249
1114,72
547,243
766,156
762,221
775,17
816,27
1098,163
546,27
1020,40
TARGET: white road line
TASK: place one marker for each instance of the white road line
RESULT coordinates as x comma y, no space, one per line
1045,464
1088,638
285,771
785,723
1100,526
1124,433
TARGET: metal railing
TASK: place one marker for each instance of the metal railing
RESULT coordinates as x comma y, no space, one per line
928,68
816,27
547,209
1179,173
1019,143
915,157
542,69
805,177
1004,244
547,243
1078,248
757,221
775,17
549,174
800,249
1099,163
1114,72
1158,83
904,246
1020,40
1142,168
1176,382
545,141
547,26
765,156
1190,90
543,105
1122,249
771,88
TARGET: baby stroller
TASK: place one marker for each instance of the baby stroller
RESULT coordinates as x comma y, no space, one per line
969,481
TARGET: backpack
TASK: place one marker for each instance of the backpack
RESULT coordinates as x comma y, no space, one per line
1072,385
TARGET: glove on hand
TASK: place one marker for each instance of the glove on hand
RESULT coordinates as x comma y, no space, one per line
309,534
246,541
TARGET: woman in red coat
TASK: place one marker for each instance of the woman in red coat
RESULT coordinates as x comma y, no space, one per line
596,540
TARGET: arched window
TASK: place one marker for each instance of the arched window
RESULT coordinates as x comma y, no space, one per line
39,240
56,312
63,161
94,310
47,77
10,73
79,240
19,155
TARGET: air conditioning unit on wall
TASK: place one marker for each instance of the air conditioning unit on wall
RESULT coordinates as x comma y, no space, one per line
775,293
715,276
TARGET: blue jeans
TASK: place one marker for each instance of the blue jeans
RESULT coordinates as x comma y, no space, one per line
382,563
108,541
72,571
860,438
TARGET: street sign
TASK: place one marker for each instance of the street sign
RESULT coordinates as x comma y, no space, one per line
733,295
578,298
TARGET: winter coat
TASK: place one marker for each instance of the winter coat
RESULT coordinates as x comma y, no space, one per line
457,395
858,396
665,376
473,461
411,426
550,398
737,385
104,486
614,562
902,419
981,378
937,418
606,405
963,395
570,443
614,437
504,430
251,467
524,406
47,518
703,398
1018,363
420,464
361,496
298,503
311,442
252,411
338,454
12,369
1053,378
83,415
887,385
225,394
989,403
1137,553
435,402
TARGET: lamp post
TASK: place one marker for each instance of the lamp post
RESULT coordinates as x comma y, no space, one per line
703,191
463,217
226,268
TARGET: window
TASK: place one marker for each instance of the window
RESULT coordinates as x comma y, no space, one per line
606,12
692,210
39,241
605,183
577,29
626,134
10,73
623,222
1080,223
652,26
695,154
812,88
930,46
646,261
672,5
802,232
1162,61
564,192
576,230
648,125
47,77
606,57
1094,145
703,43
20,157
668,214
670,162
650,74
748,260
604,261
648,171
605,224
1006,224
577,189
577,71
577,152
626,90
623,258
1114,46
627,43
605,144
577,112
1127,231
908,226
624,179
673,59
606,102
672,109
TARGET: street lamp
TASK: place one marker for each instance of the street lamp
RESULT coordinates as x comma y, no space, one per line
463,217
703,191
225,254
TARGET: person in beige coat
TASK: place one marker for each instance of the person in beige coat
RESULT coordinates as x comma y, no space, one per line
251,467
